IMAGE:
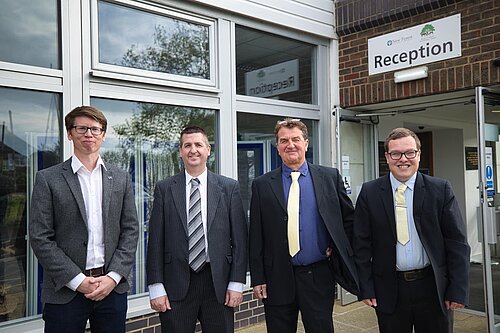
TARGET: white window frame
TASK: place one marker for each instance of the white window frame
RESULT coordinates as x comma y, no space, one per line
103,70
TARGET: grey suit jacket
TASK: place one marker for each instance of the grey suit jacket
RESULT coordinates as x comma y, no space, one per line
58,228
270,261
167,259
439,225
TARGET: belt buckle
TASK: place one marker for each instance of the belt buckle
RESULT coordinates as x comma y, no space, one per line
411,276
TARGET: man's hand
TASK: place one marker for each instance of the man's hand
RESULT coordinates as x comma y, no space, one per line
86,287
260,291
453,305
160,304
233,298
104,284
370,302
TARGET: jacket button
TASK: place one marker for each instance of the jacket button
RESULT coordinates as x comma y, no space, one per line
85,243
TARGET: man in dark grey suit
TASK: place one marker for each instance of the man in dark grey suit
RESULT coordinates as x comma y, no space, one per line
197,249
410,244
302,278
84,230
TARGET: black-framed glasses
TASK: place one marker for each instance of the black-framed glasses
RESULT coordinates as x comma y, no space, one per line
84,129
410,154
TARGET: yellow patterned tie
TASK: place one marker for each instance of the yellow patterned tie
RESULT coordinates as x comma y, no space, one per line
401,216
293,215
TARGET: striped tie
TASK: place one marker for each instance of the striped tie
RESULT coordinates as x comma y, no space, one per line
195,228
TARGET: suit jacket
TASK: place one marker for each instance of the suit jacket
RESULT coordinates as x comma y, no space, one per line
168,250
270,261
59,234
439,225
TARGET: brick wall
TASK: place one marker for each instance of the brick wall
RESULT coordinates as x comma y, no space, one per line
480,46
250,311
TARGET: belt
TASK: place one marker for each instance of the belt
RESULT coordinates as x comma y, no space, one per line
416,274
94,272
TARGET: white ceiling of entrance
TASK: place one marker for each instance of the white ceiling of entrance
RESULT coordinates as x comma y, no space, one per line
459,106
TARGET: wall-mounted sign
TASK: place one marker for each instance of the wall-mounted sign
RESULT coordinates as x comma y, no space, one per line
471,162
418,45
273,80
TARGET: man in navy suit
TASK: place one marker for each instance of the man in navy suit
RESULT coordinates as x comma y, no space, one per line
291,278
84,230
411,253
210,286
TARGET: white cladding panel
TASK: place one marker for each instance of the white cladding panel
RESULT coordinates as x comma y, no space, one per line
314,16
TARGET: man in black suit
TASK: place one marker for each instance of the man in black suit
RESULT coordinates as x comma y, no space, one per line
296,256
410,244
197,250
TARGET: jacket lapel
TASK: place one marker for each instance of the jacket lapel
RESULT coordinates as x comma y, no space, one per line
107,189
388,203
276,185
214,191
418,201
74,186
178,193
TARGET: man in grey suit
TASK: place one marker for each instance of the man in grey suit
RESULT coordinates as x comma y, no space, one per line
291,278
84,230
197,249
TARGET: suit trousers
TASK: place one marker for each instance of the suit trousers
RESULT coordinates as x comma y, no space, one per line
106,316
200,303
417,307
314,298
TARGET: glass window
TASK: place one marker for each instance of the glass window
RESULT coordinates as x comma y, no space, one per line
257,153
30,141
143,138
272,66
149,41
30,33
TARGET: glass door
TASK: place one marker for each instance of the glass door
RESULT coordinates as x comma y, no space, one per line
356,158
488,132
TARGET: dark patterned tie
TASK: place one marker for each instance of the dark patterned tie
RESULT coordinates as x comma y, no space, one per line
195,228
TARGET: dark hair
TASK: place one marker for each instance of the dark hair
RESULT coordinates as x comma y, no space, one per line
85,111
291,123
399,133
191,129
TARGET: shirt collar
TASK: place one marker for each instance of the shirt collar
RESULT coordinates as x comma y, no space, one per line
410,183
303,169
202,178
76,164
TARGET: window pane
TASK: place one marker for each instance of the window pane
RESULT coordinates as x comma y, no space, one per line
30,141
29,32
143,138
137,39
272,66
257,152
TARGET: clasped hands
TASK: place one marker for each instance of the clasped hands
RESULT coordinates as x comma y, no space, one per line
97,288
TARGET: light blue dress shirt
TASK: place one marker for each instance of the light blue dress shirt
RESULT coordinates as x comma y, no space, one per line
412,255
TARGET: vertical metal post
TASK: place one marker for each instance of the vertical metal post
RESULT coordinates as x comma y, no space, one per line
487,276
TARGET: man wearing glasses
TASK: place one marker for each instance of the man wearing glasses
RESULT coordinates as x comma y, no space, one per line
410,244
84,230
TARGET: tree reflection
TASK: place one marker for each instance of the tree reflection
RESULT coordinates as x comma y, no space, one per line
183,51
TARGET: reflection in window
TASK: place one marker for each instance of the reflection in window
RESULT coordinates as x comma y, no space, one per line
137,39
30,141
272,66
257,152
143,138
30,32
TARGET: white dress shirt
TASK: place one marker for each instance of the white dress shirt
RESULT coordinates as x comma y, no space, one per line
91,185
